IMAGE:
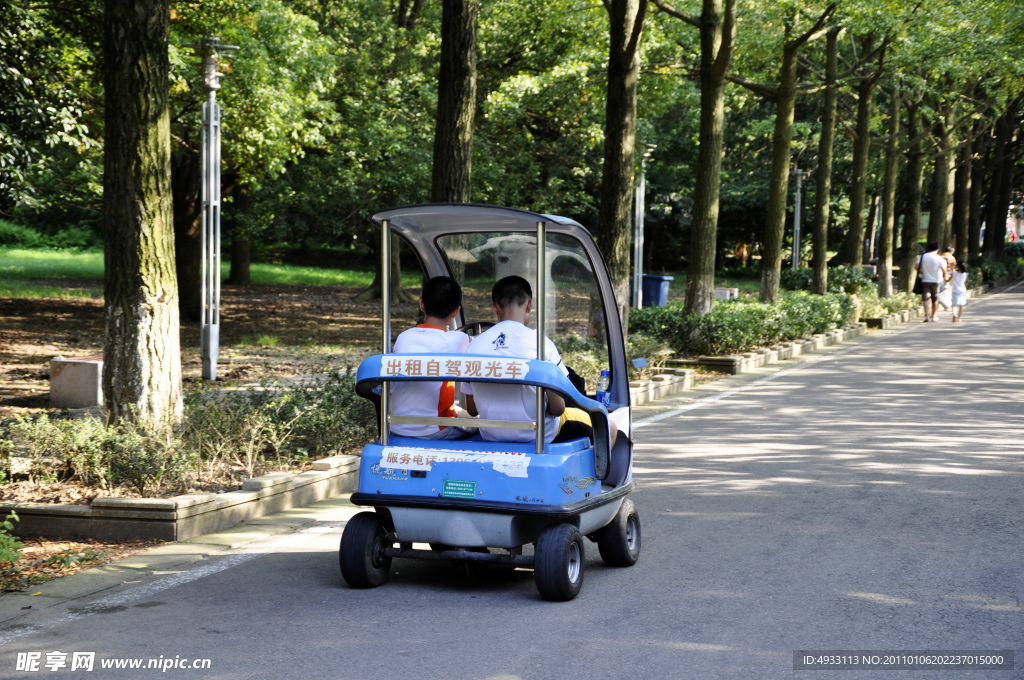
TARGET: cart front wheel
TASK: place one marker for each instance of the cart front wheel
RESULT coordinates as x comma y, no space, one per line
361,556
559,562
619,542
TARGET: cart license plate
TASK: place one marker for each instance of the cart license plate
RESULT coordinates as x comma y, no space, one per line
454,488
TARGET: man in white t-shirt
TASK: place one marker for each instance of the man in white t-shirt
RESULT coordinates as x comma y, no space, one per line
440,303
512,302
931,267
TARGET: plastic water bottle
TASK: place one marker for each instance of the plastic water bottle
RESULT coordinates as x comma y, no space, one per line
602,396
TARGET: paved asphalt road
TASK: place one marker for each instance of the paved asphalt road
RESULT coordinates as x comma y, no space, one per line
870,500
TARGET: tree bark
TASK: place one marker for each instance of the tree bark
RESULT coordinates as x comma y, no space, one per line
1006,189
912,216
241,251
141,354
614,232
943,183
188,232
852,251
994,220
456,103
885,234
717,35
826,143
782,138
977,190
962,198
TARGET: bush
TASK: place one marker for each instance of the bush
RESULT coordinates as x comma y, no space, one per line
16,236
223,435
741,325
840,279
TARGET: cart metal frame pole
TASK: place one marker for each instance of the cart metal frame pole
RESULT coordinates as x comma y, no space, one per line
207,50
541,293
385,322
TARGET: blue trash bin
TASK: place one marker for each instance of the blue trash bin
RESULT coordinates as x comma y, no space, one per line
655,290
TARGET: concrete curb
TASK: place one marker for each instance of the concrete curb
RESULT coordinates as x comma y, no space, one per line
189,515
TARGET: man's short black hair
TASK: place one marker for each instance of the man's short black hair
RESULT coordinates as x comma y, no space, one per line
511,290
932,246
441,296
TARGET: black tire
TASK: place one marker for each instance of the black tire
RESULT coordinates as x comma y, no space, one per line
361,555
619,542
559,563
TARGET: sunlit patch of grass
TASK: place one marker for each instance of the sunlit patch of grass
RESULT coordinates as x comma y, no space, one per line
21,265
259,341
23,290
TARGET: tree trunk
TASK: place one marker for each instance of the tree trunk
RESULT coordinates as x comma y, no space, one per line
778,191
823,192
943,179
912,216
885,234
141,354
994,220
188,232
852,250
398,292
962,199
977,190
456,103
717,33
240,274
1006,189
614,232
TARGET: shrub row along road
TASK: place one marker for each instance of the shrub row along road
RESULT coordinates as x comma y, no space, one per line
868,501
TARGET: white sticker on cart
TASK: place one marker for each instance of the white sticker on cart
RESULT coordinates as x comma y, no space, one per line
426,366
510,463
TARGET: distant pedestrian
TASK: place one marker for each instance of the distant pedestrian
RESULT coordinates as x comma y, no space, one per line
959,285
931,267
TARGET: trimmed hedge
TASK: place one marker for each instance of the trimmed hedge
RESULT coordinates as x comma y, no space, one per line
742,325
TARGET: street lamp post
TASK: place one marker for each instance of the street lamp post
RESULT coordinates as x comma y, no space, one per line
797,210
207,50
638,228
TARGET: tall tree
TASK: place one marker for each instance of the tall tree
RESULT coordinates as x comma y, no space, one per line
852,250
456,103
717,26
912,194
885,236
823,181
785,94
943,179
614,232
142,362
962,196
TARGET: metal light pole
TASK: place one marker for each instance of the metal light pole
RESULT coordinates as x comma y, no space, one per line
638,229
797,210
207,51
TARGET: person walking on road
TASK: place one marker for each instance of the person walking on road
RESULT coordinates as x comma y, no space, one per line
959,286
932,268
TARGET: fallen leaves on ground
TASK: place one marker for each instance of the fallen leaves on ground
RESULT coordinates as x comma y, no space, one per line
45,560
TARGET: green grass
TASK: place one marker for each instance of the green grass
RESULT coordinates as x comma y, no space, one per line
677,286
19,267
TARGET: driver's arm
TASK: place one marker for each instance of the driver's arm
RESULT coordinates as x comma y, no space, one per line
470,405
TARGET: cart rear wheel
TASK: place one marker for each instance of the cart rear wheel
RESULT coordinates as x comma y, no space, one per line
361,556
559,562
619,542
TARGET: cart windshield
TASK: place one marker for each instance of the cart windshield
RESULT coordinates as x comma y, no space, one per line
574,311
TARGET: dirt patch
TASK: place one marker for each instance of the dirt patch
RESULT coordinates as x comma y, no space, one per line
267,331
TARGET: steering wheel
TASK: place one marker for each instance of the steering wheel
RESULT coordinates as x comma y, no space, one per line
475,327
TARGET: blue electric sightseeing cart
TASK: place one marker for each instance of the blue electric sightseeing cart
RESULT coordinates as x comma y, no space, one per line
472,501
